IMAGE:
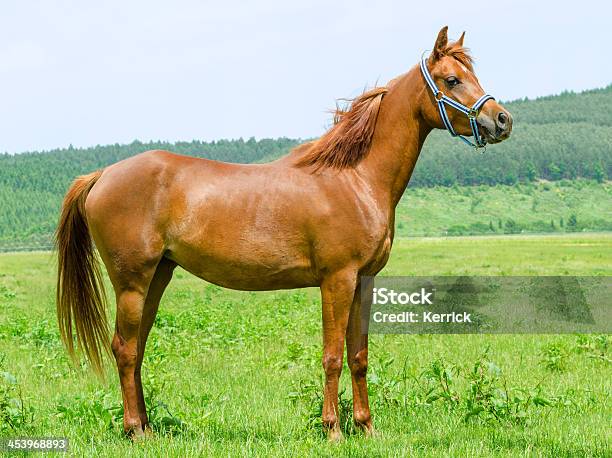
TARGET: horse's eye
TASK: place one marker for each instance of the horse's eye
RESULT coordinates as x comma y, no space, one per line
452,81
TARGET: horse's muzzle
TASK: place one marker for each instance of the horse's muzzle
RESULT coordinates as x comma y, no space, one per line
495,128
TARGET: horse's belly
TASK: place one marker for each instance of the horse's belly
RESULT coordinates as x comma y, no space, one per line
246,270
253,279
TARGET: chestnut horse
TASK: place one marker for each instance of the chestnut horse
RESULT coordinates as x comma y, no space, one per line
321,216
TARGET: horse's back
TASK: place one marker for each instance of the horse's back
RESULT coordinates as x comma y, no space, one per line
207,216
245,226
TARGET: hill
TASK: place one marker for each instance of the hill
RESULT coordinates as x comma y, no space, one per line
544,207
567,136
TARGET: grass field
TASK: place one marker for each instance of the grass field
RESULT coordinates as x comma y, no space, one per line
231,373
532,207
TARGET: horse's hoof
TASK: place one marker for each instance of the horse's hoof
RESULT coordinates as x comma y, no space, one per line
366,428
334,435
139,434
148,432
370,432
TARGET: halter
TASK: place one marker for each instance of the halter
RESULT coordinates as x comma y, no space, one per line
471,113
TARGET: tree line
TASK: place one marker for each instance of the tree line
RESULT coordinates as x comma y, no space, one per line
567,136
559,137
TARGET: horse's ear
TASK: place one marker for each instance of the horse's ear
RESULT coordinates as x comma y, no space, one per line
459,42
441,43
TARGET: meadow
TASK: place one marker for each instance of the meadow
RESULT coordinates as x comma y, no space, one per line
543,207
231,373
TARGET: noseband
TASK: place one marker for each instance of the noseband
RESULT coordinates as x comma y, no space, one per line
471,113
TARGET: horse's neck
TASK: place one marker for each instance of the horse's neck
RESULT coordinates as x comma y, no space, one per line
398,139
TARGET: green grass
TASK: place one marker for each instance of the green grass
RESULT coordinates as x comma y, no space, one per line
237,374
534,207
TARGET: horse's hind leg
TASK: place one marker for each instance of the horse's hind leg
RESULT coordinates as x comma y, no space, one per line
163,275
132,283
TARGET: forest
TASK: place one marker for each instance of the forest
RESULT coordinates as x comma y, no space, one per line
561,137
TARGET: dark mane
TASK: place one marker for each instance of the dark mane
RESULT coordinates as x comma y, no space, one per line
349,139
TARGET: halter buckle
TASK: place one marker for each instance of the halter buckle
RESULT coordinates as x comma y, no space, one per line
472,113
440,94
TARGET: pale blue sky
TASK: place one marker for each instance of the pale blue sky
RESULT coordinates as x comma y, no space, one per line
89,73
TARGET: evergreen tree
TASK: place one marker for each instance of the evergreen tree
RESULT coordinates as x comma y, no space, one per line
572,223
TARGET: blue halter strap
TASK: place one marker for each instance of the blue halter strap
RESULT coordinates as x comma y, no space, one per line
471,113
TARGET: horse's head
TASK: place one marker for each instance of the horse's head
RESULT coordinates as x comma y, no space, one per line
450,70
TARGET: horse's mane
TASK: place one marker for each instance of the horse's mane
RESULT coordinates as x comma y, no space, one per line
348,141
460,53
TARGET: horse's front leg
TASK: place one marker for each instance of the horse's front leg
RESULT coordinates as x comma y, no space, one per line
337,292
357,358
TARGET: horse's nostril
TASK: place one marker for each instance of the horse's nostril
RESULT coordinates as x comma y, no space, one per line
502,118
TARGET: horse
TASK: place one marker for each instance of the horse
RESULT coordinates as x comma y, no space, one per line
321,216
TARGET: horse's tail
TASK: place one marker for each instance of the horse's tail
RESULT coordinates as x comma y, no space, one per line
80,292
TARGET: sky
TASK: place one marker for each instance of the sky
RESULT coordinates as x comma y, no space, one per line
87,73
